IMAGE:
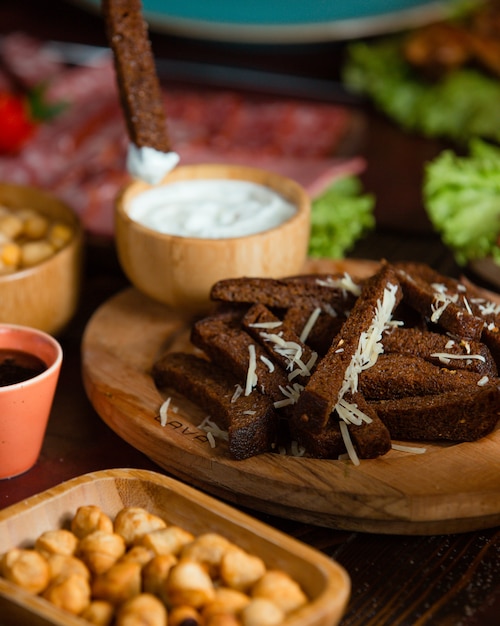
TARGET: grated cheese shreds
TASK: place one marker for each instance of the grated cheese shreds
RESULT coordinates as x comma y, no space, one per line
344,431
237,393
410,449
346,284
269,325
467,305
251,381
304,369
296,449
292,352
370,342
210,427
291,394
268,363
441,301
446,356
486,306
349,412
164,412
309,325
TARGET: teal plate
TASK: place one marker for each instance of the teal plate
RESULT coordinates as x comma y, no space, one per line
293,21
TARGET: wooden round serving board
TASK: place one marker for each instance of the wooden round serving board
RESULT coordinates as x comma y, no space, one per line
448,489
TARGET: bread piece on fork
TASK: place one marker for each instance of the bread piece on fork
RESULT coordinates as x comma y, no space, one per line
139,88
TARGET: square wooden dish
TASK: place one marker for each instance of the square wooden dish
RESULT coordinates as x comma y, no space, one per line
325,582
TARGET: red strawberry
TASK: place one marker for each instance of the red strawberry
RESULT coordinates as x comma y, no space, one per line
16,124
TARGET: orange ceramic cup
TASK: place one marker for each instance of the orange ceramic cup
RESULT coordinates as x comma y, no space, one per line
25,406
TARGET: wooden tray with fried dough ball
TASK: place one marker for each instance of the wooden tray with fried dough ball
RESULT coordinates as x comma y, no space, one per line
448,489
325,582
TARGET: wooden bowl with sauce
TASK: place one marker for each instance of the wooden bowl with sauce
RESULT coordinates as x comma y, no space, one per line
180,269
43,293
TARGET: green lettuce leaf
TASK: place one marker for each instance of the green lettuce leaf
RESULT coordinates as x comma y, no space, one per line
339,217
462,198
461,106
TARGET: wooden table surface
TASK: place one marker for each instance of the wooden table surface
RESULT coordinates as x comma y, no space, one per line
396,580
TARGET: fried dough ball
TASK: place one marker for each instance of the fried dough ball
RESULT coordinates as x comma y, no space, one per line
168,540
35,225
261,612
71,593
189,583
10,256
280,588
184,616
207,549
34,252
26,568
133,522
100,550
139,554
99,613
59,541
155,574
119,583
89,518
11,225
143,610
63,565
240,570
59,235
222,619
225,601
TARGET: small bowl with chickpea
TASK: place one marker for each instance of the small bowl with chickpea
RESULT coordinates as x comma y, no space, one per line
41,242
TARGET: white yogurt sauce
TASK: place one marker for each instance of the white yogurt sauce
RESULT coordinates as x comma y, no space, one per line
149,164
210,208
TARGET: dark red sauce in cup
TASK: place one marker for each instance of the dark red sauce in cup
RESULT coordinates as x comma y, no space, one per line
17,366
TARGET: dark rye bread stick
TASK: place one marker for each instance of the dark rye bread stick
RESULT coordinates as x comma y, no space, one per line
321,393
436,302
228,346
250,421
462,415
401,375
370,439
282,294
138,85
442,350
